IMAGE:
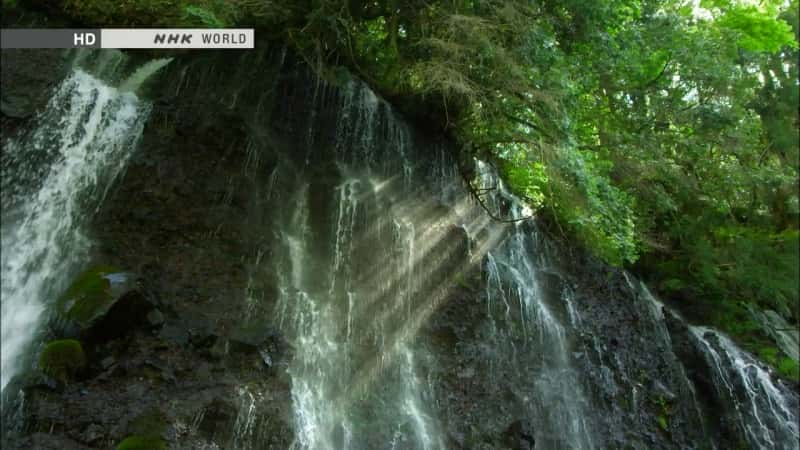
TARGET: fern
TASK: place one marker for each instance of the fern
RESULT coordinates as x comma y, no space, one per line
206,17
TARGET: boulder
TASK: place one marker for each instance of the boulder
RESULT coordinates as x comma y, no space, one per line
102,303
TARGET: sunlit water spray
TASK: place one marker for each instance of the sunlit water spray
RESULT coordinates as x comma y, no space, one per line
357,381
357,286
55,177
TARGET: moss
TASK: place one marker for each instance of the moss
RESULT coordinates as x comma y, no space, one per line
89,297
789,368
62,359
665,410
663,422
738,323
769,354
142,443
785,366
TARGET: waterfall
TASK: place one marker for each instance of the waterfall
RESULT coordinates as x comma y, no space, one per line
399,239
357,381
326,279
55,176
529,339
759,407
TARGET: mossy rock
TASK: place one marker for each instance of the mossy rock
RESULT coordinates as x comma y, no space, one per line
93,293
150,424
62,359
136,442
147,430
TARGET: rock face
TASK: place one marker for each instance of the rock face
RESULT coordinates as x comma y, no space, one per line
244,158
775,326
28,79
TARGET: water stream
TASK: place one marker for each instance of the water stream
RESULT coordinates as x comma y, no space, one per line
55,176
401,297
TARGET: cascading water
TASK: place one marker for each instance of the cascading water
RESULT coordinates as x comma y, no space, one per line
330,283
354,365
529,340
360,374
758,407
358,285
55,176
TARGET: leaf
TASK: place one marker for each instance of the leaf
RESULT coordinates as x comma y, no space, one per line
206,17
757,31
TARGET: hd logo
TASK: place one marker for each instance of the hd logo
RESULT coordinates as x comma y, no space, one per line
160,38
81,39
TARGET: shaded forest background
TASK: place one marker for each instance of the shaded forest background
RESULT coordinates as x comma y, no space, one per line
660,134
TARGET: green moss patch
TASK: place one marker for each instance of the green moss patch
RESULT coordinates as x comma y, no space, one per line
789,368
89,297
663,422
785,366
142,443
62,359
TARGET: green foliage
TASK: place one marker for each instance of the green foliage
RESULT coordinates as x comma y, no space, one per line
583,198
62,359
142,443
206,17
100,13
660,138
756,30
152,13
601,214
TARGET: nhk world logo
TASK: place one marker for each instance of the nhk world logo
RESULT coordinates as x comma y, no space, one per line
222,38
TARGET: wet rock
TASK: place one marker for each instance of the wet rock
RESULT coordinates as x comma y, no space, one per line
93,433
217,418
263,341
662,391
519,436
786,336
142,443
28,78
175,333
101,304
128,314
48,441
219,350
107,362
155,318
468,372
